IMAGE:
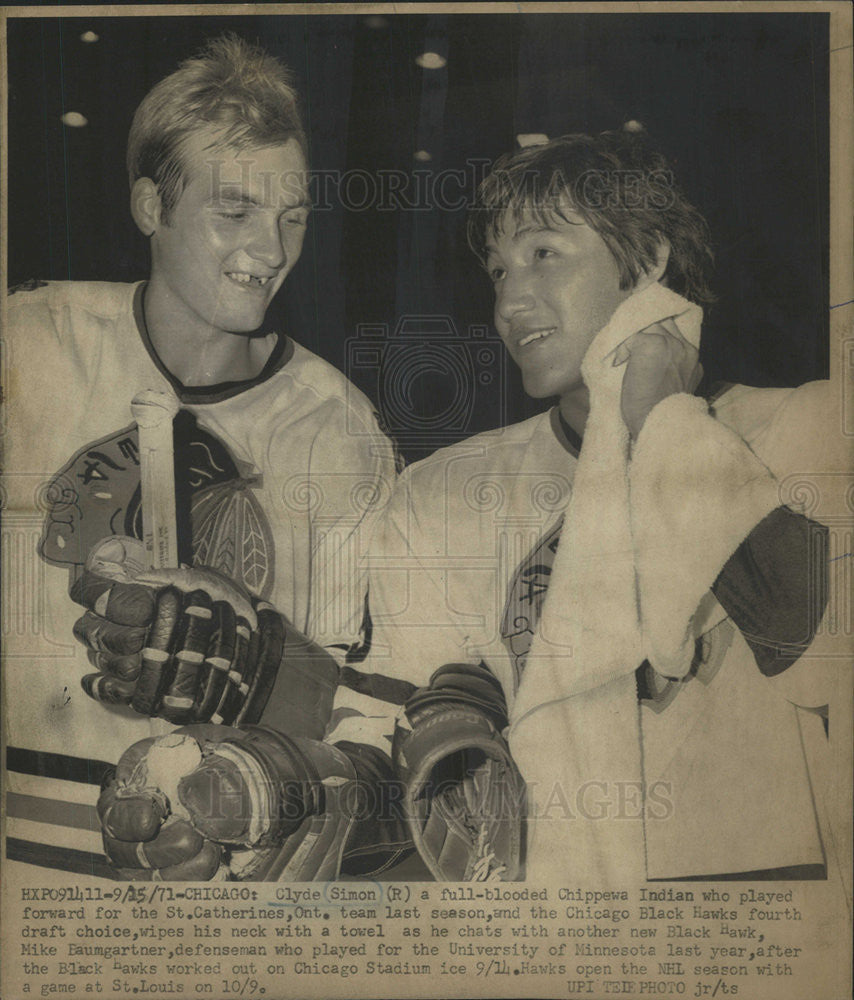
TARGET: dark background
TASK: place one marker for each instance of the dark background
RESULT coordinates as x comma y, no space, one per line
738,101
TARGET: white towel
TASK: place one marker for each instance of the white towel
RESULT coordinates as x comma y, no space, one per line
575,721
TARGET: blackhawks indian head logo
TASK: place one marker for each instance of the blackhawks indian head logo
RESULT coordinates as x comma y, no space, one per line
97,494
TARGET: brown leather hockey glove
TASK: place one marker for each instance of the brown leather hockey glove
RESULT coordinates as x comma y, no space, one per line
244,803
464,798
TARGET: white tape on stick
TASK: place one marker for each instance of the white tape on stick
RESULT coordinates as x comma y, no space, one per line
154,412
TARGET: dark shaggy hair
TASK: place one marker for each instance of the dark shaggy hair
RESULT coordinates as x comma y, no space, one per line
620,186
236,87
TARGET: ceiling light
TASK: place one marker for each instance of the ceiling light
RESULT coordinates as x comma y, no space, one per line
89,36
431,60
423,156
73,119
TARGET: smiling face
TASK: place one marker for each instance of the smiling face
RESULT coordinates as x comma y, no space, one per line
555,287
232,238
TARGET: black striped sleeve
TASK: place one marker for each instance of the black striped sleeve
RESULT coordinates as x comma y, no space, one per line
775,587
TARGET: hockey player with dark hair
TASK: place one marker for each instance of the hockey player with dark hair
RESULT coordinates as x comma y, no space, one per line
602,636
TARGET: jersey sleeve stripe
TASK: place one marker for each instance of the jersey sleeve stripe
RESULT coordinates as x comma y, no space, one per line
774,587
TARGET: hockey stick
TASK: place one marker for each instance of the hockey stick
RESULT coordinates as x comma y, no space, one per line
154,412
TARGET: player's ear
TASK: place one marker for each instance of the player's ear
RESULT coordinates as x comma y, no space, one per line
145,206
656,272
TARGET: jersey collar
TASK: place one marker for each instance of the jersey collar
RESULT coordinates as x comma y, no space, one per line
567,437
281,354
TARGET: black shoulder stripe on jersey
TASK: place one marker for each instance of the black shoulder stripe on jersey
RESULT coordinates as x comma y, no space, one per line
377,686
56,765
775,587
65,859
